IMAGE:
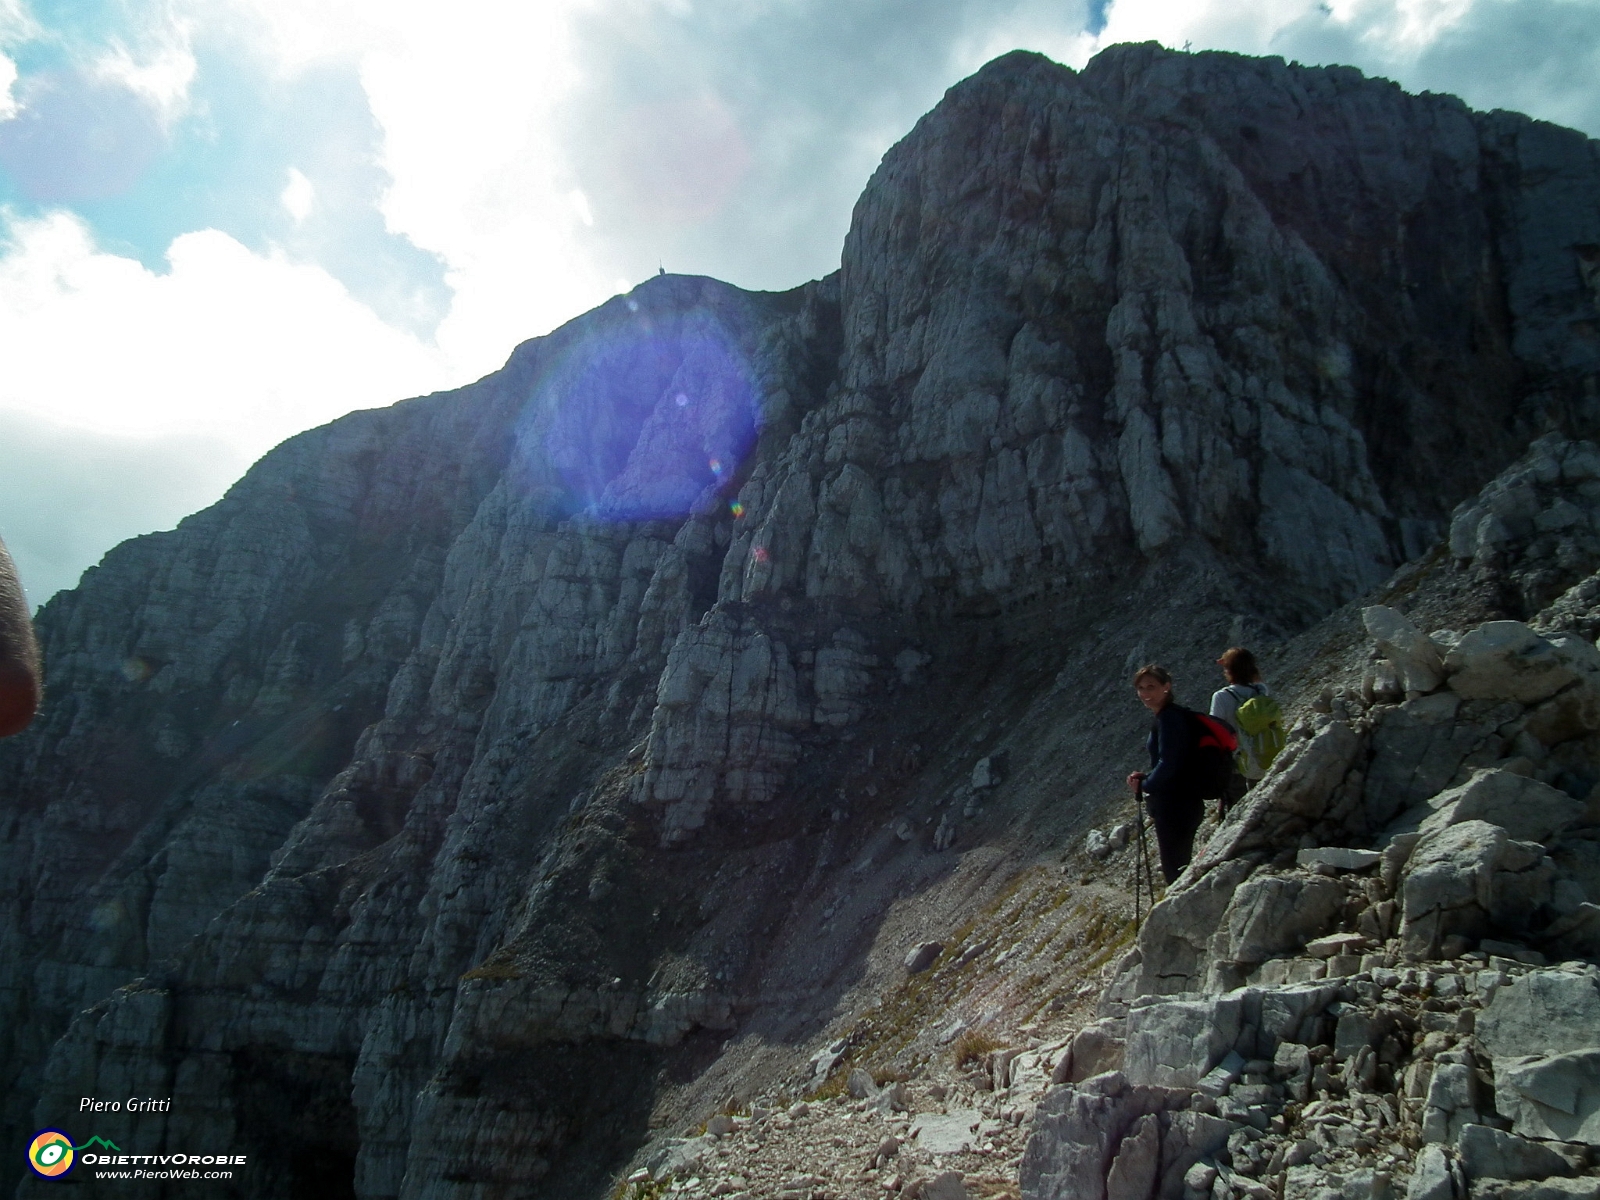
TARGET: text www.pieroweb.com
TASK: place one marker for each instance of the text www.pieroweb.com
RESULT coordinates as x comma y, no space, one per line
161,1166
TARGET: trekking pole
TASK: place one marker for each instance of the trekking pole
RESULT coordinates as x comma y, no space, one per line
1138,858
1144,863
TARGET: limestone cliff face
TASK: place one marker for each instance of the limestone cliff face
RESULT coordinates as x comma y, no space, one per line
406,813
1288,312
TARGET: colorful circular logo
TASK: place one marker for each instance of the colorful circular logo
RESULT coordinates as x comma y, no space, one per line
50,1153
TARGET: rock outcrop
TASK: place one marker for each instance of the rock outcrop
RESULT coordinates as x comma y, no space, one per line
1356,967
423,812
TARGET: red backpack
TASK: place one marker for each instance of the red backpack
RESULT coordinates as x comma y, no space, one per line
1214,747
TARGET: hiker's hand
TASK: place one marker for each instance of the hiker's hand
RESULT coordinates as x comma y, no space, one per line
1136,780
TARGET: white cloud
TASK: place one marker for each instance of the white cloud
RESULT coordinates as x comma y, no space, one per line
479,178
298,195
1248,26
1541,57
228,344
16,22
8,77
466,97
160,71
67,495
580,205
130,397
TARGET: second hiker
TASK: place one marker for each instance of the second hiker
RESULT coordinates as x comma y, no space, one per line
1247,706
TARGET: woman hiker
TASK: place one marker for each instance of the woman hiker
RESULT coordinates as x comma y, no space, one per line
1259,727
1172,787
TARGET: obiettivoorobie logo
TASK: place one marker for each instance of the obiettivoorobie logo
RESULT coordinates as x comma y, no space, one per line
52,1154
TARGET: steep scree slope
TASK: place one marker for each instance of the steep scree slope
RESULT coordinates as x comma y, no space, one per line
424,813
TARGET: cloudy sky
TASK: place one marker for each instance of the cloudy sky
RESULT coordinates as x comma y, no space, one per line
224,221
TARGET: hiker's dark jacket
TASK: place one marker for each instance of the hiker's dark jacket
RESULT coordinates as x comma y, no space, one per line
1171,748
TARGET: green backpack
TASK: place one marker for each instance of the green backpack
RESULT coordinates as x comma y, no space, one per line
1261,736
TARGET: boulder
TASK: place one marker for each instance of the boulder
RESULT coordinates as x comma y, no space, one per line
1303,788
1464,878
895,1097
1567,896
1189,1138
1430,1177
1275,914
1452,1102
1179,1043
1173,951
946,1133
1521,888
1223,1076
1505,660
1333,945
989,771
1291,1014
1094,1049
1578,858
1292,1064
679,1156
1488,1153
825,1060
1578,652
1174,1043
1000,1065
1416,658
1523,807
922,956
1552,1096
1316,1183
947,1185
1542,1013
1199,1178
1417,749
1558,1188
861,1084
1078,1131
1568,714
1133,1172
1357,1029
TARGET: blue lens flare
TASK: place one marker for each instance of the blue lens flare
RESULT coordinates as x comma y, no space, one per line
645,424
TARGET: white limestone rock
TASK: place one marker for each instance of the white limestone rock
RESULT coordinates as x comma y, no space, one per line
1553,1096
1274,914
1525,808
1488,1153
1415,657
1466,878
1543,1012
1134,1170
1452,1102
1430,1175
921,956
945,1133
1505,660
